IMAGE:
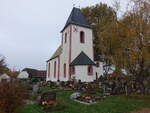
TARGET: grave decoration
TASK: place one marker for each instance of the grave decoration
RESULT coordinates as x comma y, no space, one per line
48,98
49,102
89,93
86,99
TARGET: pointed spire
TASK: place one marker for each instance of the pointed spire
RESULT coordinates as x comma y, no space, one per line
76,17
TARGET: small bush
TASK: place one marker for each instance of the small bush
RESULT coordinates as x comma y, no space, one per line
12,96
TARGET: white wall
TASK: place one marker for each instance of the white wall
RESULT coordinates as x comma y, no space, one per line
81,73
76,48
23,75
51,77
86,47
64,59
4,76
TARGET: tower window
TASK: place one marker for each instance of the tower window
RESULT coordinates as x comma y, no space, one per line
55,69
90,70
82,37
49,68
65,37
64,70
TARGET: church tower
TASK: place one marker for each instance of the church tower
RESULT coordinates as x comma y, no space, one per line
75,55
77,37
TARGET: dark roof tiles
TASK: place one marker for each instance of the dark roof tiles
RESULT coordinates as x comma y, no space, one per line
76,17
35,72
82,59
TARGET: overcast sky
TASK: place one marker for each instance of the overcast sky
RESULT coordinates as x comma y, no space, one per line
30,29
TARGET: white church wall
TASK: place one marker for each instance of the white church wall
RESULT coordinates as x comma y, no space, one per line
73,35
64,59
62,77
81,73
77,47
51,76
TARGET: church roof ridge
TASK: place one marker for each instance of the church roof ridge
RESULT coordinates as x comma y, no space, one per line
57,53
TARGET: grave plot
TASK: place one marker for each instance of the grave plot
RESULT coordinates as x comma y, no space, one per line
87,95
49,103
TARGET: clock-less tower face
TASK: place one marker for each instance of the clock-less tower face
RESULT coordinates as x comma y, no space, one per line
82,40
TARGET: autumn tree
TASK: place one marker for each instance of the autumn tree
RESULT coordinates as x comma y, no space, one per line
124,42
137,42
3,66
99,15
127,42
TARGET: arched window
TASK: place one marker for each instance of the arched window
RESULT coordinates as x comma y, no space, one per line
65,37
90,70
49,69
65,70
73,70
96,76
55,69
82,37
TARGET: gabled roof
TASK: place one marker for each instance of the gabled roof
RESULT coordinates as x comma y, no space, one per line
57,53
82,59
34,73
5,76
76,17
41,73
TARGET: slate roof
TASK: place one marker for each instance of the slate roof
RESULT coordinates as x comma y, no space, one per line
76,17
34,73
82,59
57,53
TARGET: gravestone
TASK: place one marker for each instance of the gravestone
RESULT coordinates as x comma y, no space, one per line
48,98
35,88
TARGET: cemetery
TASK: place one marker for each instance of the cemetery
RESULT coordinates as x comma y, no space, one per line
79,97
101,64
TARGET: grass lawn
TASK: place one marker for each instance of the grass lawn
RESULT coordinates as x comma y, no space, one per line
112,104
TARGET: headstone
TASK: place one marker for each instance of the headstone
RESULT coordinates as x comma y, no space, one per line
38,98
35,88
48,98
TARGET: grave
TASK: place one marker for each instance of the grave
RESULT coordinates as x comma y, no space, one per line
48,98
49,103
86,99
35,88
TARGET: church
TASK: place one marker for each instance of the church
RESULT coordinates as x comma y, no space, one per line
74,58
